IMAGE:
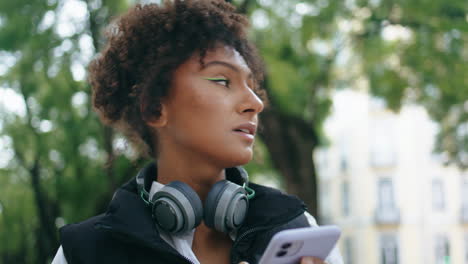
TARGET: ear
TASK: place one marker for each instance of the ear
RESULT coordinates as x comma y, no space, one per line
155,121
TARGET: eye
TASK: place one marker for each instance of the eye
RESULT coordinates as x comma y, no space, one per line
222,81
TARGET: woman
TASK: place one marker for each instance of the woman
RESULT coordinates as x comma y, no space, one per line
182,82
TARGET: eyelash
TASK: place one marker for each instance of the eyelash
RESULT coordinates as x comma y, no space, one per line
217,80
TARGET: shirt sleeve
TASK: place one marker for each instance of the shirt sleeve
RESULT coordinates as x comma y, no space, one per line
59,257
334,257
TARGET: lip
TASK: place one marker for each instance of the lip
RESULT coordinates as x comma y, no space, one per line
250,127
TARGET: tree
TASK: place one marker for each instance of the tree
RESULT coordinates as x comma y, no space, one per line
60,165
299,81
63,158
404,52
419,55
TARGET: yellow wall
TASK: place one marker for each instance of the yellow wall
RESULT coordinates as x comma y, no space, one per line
349,130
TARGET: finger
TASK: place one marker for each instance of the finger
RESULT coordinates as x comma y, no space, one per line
311,260
243,262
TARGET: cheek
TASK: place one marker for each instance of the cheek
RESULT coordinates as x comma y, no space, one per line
199,112
204,123
200,103
208,104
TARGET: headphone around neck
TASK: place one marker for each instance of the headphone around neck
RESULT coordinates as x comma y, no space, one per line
177,209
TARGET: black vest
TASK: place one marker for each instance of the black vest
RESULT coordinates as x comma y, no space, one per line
126,232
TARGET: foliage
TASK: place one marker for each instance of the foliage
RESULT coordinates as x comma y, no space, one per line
406,54
416,52
58,173
58,164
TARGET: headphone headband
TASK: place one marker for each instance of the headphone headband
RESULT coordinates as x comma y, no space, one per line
176,208
148,173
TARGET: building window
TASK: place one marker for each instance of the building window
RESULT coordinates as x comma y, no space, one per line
343,148
325,201
466,247
386,195
438,195
442,250
388,249
345,198
383,143
343,164
464,202
464,194
348,251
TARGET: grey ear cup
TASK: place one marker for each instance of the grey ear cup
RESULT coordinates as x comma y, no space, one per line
176,208
225,206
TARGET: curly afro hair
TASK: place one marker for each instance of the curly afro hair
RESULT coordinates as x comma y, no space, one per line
145,46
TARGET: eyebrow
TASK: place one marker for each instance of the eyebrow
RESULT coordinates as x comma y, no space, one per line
225,64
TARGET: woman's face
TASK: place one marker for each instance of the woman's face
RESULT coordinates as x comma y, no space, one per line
211,112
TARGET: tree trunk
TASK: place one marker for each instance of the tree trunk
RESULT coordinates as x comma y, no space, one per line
48,241
290,142
47,210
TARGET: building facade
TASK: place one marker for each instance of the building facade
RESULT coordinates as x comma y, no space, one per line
380,182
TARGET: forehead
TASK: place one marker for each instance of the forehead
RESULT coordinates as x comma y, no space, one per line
226,53
220,53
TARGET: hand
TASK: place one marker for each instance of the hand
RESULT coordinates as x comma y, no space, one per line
312,260
304,260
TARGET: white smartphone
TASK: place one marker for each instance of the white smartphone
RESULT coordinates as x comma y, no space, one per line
289,246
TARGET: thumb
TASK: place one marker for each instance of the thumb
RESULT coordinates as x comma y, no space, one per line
243,262
311,260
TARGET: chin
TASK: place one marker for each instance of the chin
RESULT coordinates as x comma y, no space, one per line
239,158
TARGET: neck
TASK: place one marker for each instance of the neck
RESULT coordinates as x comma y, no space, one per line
199,175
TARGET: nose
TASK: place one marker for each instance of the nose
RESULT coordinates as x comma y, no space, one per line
250,102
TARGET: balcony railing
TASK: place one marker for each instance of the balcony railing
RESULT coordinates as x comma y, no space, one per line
387,216
382,160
